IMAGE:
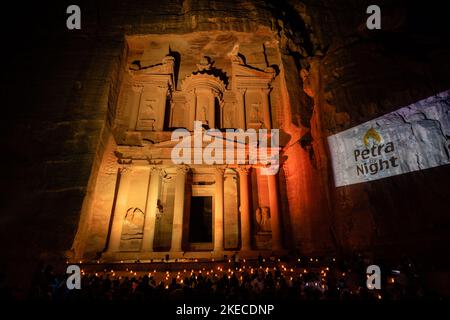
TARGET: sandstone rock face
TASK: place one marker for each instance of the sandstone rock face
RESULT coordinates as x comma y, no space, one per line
355,76
61,89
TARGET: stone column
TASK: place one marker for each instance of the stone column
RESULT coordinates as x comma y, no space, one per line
218,209
245,208
133,104
241,109
274,212
150,211
191,103
161,108
120,209
178,210
212,110
266,108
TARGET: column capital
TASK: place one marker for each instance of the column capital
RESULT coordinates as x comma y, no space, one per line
137,87
242,91
182,169
165,176
125,170
266,90
244,170
155,169
219,171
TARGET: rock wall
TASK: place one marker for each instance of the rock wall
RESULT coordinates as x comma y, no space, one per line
353,75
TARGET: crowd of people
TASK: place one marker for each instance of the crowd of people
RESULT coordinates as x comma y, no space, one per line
282,281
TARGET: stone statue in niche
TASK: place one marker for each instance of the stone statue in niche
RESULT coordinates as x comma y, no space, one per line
263,219
149,111
228,117
159,209
203,115
133,224
254,113
148,114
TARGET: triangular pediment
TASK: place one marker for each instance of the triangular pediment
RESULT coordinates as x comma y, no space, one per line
173,143
162,72
247,71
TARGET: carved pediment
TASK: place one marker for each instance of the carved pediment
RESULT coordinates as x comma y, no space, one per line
206,77
161,74
203,81
245,76
248,77
161,152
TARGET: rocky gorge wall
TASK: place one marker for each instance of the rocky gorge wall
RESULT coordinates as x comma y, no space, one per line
60,87
352,76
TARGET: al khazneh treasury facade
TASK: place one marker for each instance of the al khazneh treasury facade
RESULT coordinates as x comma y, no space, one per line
142,205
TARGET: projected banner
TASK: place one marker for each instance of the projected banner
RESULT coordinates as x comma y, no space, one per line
412,138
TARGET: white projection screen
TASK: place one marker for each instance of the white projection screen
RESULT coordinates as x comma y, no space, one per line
412,138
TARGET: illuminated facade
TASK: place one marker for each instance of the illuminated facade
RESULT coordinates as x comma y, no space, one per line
144,206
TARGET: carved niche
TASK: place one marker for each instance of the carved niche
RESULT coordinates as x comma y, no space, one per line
132,229
229,112
263,219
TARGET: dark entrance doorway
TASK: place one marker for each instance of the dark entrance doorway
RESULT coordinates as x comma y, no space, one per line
200,220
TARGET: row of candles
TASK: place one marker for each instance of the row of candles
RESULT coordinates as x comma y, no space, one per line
218,271
179,276
289,272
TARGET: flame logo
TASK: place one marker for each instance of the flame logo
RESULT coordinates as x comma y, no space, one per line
371,134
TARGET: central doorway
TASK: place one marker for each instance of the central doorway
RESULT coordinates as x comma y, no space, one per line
200,220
